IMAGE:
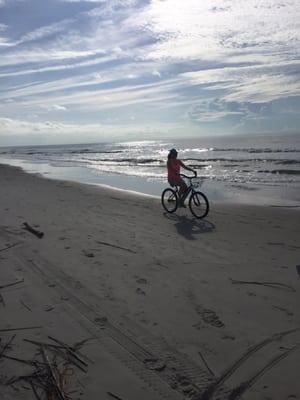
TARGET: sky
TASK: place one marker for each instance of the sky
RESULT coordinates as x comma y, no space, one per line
75,71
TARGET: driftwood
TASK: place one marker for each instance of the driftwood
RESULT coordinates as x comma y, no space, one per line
114,396
2,300
11,284
69,350
20,329
9,247
6,346
25,305
274,285
205,363
29,228
55,382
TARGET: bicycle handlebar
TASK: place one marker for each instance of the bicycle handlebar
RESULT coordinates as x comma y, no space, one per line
189,177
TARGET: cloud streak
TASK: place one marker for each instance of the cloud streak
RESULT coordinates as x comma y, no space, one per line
207,60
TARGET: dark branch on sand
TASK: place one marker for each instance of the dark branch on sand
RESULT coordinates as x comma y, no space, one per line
274,285
30,229
116,247
11,284
9,247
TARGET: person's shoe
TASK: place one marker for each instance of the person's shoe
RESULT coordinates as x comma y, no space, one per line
181,205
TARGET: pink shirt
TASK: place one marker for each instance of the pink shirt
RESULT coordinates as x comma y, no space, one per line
173,170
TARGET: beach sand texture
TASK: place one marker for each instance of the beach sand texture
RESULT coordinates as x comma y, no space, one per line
172,307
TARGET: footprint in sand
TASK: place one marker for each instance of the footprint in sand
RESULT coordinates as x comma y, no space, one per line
210,317
140,291
142,281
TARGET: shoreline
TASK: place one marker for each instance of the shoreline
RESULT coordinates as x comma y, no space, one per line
216,191
150,286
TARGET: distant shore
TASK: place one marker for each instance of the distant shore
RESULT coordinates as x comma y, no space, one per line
169,302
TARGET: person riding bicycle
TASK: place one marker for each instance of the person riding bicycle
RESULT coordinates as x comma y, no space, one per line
174,177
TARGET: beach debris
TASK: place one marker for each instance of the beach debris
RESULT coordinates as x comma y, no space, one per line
114,396
10,246
2,300
11,284
274,285
53,368
20,329
25,305
115,246
298,269
6,346
205,363
32,230
88,254
48,308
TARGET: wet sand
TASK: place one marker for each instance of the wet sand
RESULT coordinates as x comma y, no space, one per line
173,307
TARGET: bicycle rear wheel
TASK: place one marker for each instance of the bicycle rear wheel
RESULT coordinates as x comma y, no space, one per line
169,200
199,205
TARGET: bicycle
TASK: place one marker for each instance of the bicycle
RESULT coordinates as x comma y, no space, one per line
198,202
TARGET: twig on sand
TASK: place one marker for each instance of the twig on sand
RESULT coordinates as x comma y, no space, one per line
205,363
5,347
2,300
114,396
9,247
25,305
53,376
20,329
69,350
11,284
115,246
30,229
274,285
34,390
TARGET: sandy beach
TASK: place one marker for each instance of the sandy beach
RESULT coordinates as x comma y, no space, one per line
145,305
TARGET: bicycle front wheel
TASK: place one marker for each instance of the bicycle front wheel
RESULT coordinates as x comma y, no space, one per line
169,200
199,205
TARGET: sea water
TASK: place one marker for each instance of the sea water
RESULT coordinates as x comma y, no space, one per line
252,169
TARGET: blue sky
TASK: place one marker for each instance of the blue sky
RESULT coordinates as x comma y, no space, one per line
97,70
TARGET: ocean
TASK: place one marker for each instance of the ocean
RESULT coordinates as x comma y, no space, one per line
253,169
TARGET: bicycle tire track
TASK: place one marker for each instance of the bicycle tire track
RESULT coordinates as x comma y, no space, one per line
209,392
179,374
238,391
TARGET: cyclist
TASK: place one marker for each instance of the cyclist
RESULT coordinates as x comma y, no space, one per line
174,177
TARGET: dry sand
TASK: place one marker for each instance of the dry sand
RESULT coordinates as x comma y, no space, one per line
156,294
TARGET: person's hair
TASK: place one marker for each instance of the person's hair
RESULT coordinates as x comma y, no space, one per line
172,152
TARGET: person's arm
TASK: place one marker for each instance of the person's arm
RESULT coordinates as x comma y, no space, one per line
188,168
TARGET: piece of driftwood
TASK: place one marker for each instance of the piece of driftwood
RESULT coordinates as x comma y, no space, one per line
114,396
69,350
55,382
20,329
5,347
30,229
2,300
25,305
9,247
205,363
274,285
11,284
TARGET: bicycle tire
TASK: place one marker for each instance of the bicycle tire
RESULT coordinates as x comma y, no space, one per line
199,205
169,200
